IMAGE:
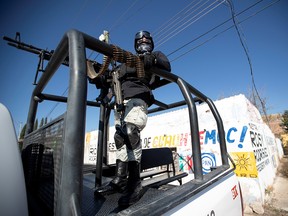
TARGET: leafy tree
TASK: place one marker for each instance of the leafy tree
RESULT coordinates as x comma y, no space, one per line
284,123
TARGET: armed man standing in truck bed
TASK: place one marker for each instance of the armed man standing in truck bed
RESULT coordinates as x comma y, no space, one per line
137,97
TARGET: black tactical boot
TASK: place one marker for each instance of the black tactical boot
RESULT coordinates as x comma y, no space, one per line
133,191
118,183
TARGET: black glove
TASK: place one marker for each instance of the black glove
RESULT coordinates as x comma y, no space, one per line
149,61
102,95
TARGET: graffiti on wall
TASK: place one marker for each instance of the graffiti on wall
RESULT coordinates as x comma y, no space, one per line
245,164
90,149
186,162
233,135
259,149
245,142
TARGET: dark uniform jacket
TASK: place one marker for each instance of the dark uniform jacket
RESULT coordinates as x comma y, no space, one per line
134,87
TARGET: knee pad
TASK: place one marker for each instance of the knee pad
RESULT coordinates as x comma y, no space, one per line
119,137
133,136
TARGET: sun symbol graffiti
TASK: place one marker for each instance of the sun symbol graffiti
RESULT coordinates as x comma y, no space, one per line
242,162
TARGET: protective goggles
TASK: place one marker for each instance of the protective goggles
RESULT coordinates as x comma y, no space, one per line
141,34
143,40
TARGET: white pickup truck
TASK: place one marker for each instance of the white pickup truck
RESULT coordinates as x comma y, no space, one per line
48,177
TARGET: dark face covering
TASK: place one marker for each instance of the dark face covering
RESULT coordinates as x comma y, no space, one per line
143,46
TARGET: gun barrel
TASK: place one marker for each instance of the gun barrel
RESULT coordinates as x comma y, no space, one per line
21,44
18,46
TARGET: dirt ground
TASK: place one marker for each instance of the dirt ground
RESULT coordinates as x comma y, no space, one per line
271,211
273,206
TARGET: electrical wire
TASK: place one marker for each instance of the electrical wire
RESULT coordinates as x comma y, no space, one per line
54,107
79,13
245,47
242,39
96,20
100,15
254,14
176,30
117,22
123,14
172,20
135,12
178,21
183,23
216,27
180,48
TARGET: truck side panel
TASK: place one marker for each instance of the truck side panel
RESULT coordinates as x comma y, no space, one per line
220,198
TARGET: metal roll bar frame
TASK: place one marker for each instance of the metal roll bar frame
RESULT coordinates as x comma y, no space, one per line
73,44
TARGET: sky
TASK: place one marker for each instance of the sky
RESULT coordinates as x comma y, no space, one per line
210,58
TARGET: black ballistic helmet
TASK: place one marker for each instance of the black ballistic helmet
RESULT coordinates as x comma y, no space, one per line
146,46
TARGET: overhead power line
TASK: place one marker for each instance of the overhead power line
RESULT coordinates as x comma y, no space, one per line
172,20
123,14
245,47
216,27
54,107
242,40
183,46
187,20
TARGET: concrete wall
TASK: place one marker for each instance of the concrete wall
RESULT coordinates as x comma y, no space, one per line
250,143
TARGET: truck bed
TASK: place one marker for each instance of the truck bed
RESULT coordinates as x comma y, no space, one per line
108,205
172,199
